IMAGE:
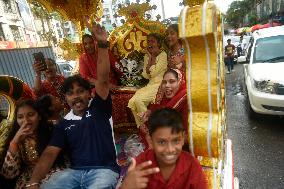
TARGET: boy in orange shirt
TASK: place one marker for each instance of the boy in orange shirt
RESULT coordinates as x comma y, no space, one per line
165,166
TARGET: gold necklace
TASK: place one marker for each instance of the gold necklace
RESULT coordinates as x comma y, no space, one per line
30,149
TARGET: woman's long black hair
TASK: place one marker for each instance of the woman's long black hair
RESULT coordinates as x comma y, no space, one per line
44,103
175,28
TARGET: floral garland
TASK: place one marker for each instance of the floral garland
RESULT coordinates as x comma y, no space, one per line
132,67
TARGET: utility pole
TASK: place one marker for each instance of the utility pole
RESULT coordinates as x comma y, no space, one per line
163,10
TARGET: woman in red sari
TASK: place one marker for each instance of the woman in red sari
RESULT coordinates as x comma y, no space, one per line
52,83
173,96
176,58
88,62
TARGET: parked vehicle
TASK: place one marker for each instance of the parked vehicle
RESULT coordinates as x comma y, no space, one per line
244,49
66,67
264,73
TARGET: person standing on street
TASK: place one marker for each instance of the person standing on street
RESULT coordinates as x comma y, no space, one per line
229,56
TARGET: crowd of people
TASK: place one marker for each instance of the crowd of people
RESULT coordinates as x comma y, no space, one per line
65,138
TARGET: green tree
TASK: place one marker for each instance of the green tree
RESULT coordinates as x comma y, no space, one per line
252,18
40,13
238,11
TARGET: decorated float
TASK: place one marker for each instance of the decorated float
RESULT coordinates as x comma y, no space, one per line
201,29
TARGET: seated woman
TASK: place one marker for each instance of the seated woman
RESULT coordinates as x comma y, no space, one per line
88,62
51,108
52,83
174,96
155,65
27,144
176,58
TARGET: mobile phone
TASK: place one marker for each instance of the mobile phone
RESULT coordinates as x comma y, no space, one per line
39,57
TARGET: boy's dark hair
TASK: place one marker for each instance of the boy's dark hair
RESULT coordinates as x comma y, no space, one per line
68,83
165,117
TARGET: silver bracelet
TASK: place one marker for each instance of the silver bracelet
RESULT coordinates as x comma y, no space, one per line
32,184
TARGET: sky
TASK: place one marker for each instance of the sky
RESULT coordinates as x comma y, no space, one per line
173,9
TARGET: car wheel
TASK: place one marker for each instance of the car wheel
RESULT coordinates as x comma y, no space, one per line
251,113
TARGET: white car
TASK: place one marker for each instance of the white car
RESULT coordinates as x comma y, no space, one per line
66,67
264,74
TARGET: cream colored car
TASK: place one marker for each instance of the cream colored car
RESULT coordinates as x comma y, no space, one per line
264,74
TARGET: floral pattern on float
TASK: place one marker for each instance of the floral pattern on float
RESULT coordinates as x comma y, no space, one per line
132,67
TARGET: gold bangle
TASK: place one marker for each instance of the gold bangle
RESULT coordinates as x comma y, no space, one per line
32,184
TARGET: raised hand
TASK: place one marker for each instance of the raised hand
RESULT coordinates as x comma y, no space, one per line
21,134
38,67
99,33
177,59
144,116
136,177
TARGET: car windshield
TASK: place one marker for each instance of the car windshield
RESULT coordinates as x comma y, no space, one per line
269,49
65,67
235,39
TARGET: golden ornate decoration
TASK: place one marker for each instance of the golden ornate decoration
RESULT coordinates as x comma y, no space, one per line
132,35
74,10
71,50
191,3
200,27
134,11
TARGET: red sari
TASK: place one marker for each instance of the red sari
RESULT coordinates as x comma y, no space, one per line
177,102
88,67
53,88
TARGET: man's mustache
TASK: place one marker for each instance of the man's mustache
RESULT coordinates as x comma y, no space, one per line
77,101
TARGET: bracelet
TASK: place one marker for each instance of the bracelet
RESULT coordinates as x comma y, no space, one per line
103,45
32,184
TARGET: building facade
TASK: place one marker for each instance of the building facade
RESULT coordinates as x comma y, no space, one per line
17,29
65,30
270,10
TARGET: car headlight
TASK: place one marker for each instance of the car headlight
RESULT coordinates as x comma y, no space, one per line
265,86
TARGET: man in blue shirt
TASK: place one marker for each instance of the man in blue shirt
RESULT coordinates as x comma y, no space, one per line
86,132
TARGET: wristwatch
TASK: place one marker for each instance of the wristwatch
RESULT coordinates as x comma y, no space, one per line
103,45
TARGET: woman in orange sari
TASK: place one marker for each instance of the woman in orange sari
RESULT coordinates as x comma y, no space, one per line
173,96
